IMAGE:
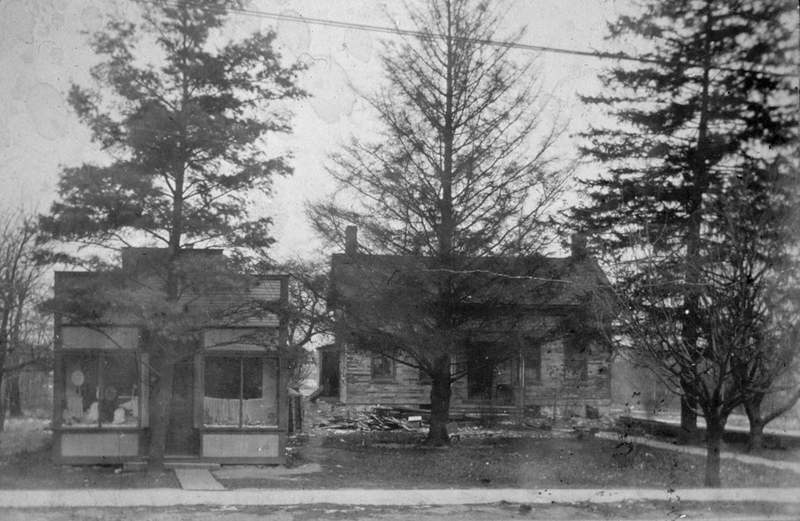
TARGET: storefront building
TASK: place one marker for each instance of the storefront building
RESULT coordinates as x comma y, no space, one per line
228,394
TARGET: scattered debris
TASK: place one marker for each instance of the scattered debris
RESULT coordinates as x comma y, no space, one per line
378,419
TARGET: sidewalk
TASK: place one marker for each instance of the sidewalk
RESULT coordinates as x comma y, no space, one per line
700,451
736,423
377,497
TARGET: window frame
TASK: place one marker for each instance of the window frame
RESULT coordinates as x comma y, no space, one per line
241,356
391,377
527,355
141,378
423,377
576,357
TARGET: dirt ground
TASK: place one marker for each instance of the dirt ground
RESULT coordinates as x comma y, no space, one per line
373,460
529,459
35,470
26,463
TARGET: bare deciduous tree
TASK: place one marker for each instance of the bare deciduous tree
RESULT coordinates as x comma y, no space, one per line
21,342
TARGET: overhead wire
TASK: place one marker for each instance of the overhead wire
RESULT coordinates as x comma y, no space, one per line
427,35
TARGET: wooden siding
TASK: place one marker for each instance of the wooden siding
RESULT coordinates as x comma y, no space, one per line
553,387
241,445
361,389
247,305
268,290
77,337
242,306
99,444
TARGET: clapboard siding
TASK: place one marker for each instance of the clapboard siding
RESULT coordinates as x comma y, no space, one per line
404,387
78,337
268,290
553,386
252,306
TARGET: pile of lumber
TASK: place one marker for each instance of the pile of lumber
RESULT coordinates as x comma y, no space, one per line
377,419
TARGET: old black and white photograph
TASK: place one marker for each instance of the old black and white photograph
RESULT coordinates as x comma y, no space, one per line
399,260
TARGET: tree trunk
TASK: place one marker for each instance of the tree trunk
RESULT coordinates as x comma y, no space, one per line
2,404
14,397
159,413
440,403
699,181
2,375
756,441
715,427
753,411
688,433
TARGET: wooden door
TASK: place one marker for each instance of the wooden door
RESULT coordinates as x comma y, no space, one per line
182,437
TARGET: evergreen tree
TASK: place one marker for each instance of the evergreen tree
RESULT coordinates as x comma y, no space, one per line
181,113
461,172
711,97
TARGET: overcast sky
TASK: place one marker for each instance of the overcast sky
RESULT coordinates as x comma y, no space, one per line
43,50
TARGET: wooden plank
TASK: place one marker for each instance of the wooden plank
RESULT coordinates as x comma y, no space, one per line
245,445
79,337
99,444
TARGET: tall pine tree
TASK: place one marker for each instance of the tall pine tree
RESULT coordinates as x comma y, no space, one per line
181,113
711,97
460,172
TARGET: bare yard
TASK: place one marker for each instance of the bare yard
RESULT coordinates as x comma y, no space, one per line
25,463
530,460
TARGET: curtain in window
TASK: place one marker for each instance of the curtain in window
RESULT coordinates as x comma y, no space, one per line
240,392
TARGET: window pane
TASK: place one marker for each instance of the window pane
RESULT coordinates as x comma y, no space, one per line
119,396
260,392
80,407
252,384
381,367
222,386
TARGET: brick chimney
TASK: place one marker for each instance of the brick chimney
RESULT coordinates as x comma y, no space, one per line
578,246
351,240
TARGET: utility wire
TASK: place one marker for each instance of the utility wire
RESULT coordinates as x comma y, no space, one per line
427,35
